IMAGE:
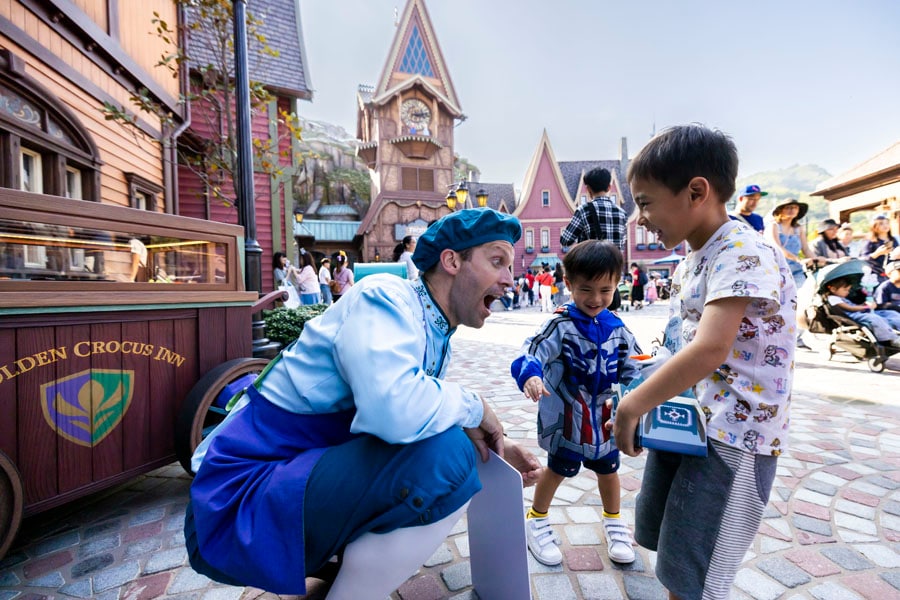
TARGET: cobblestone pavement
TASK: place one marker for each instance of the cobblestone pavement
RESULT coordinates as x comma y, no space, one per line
831,530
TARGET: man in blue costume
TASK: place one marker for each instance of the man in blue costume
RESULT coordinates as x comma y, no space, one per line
351,443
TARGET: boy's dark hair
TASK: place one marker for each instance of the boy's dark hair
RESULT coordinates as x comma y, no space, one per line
679,154
598,179
839,282
593,258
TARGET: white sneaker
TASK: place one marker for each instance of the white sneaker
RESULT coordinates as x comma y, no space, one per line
619,544
543,541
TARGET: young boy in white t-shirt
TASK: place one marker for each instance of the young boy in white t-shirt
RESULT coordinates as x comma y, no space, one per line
734,317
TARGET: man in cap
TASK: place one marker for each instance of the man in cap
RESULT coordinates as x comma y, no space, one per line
350,443
747,202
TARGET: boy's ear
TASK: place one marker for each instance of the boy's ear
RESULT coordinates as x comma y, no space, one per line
699,189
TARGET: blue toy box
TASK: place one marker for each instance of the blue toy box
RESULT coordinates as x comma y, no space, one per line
677,425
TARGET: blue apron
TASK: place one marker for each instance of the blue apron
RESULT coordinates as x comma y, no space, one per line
248,478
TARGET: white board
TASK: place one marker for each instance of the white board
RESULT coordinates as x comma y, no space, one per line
497,547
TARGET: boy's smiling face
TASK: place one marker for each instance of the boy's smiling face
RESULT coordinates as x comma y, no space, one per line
662,212
591,296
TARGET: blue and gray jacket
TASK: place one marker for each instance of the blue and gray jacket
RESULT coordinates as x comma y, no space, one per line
578,358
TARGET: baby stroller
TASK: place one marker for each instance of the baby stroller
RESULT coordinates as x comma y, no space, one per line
846,334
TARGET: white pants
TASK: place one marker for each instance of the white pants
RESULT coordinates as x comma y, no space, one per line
377,564
546,298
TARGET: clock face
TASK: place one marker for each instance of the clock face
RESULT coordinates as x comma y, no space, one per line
415,113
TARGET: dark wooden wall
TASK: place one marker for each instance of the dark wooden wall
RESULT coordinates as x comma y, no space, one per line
54,469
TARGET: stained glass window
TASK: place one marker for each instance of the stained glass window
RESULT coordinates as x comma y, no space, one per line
415,59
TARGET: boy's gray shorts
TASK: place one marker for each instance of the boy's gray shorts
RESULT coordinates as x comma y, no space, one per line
701,514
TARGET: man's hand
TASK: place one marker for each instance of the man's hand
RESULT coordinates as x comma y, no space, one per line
534,388
623,427
488,434
523,461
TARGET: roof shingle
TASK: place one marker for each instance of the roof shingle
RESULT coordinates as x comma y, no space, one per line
287,72
572,169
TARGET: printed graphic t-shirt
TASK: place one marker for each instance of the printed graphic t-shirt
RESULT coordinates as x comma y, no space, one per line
747,399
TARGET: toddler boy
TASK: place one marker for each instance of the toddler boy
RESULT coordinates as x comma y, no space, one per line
569,366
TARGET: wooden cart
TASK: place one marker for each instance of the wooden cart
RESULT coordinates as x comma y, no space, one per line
102,377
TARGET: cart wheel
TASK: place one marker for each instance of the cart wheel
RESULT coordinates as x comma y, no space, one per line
204,406
11,503
876,363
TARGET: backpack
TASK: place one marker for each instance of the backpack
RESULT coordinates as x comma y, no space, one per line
642,278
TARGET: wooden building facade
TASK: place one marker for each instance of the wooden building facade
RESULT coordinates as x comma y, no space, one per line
285,76
110,309
60,62
405,125
871,186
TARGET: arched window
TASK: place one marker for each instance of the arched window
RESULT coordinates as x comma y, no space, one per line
44,148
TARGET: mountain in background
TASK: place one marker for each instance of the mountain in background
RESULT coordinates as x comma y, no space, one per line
797,181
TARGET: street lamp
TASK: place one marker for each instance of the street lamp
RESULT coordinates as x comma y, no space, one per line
462,193
459,195
451,199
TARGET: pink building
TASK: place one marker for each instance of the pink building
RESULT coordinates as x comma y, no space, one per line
551,193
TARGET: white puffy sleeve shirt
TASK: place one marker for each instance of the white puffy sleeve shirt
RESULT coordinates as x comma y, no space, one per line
383,350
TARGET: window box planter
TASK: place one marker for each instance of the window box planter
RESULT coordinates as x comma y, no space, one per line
529,250
545,248
641,246
564,249
653,246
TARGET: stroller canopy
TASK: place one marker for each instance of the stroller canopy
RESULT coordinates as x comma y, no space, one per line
853,269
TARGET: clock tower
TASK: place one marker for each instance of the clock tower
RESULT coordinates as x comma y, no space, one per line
405,127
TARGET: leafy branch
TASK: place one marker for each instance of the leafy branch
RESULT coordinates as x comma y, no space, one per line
211,149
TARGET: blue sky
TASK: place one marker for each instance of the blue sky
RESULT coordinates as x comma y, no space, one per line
792,81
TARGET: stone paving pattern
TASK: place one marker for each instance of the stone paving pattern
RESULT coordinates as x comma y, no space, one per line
830,532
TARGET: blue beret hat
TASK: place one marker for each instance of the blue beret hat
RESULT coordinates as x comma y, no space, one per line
464,229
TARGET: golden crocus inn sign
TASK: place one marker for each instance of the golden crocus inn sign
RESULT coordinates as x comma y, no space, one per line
86,406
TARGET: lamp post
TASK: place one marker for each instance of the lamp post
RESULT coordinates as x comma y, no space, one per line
459,195
262,346
244,184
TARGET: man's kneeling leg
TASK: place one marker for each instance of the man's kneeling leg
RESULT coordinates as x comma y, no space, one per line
367,485
376,564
